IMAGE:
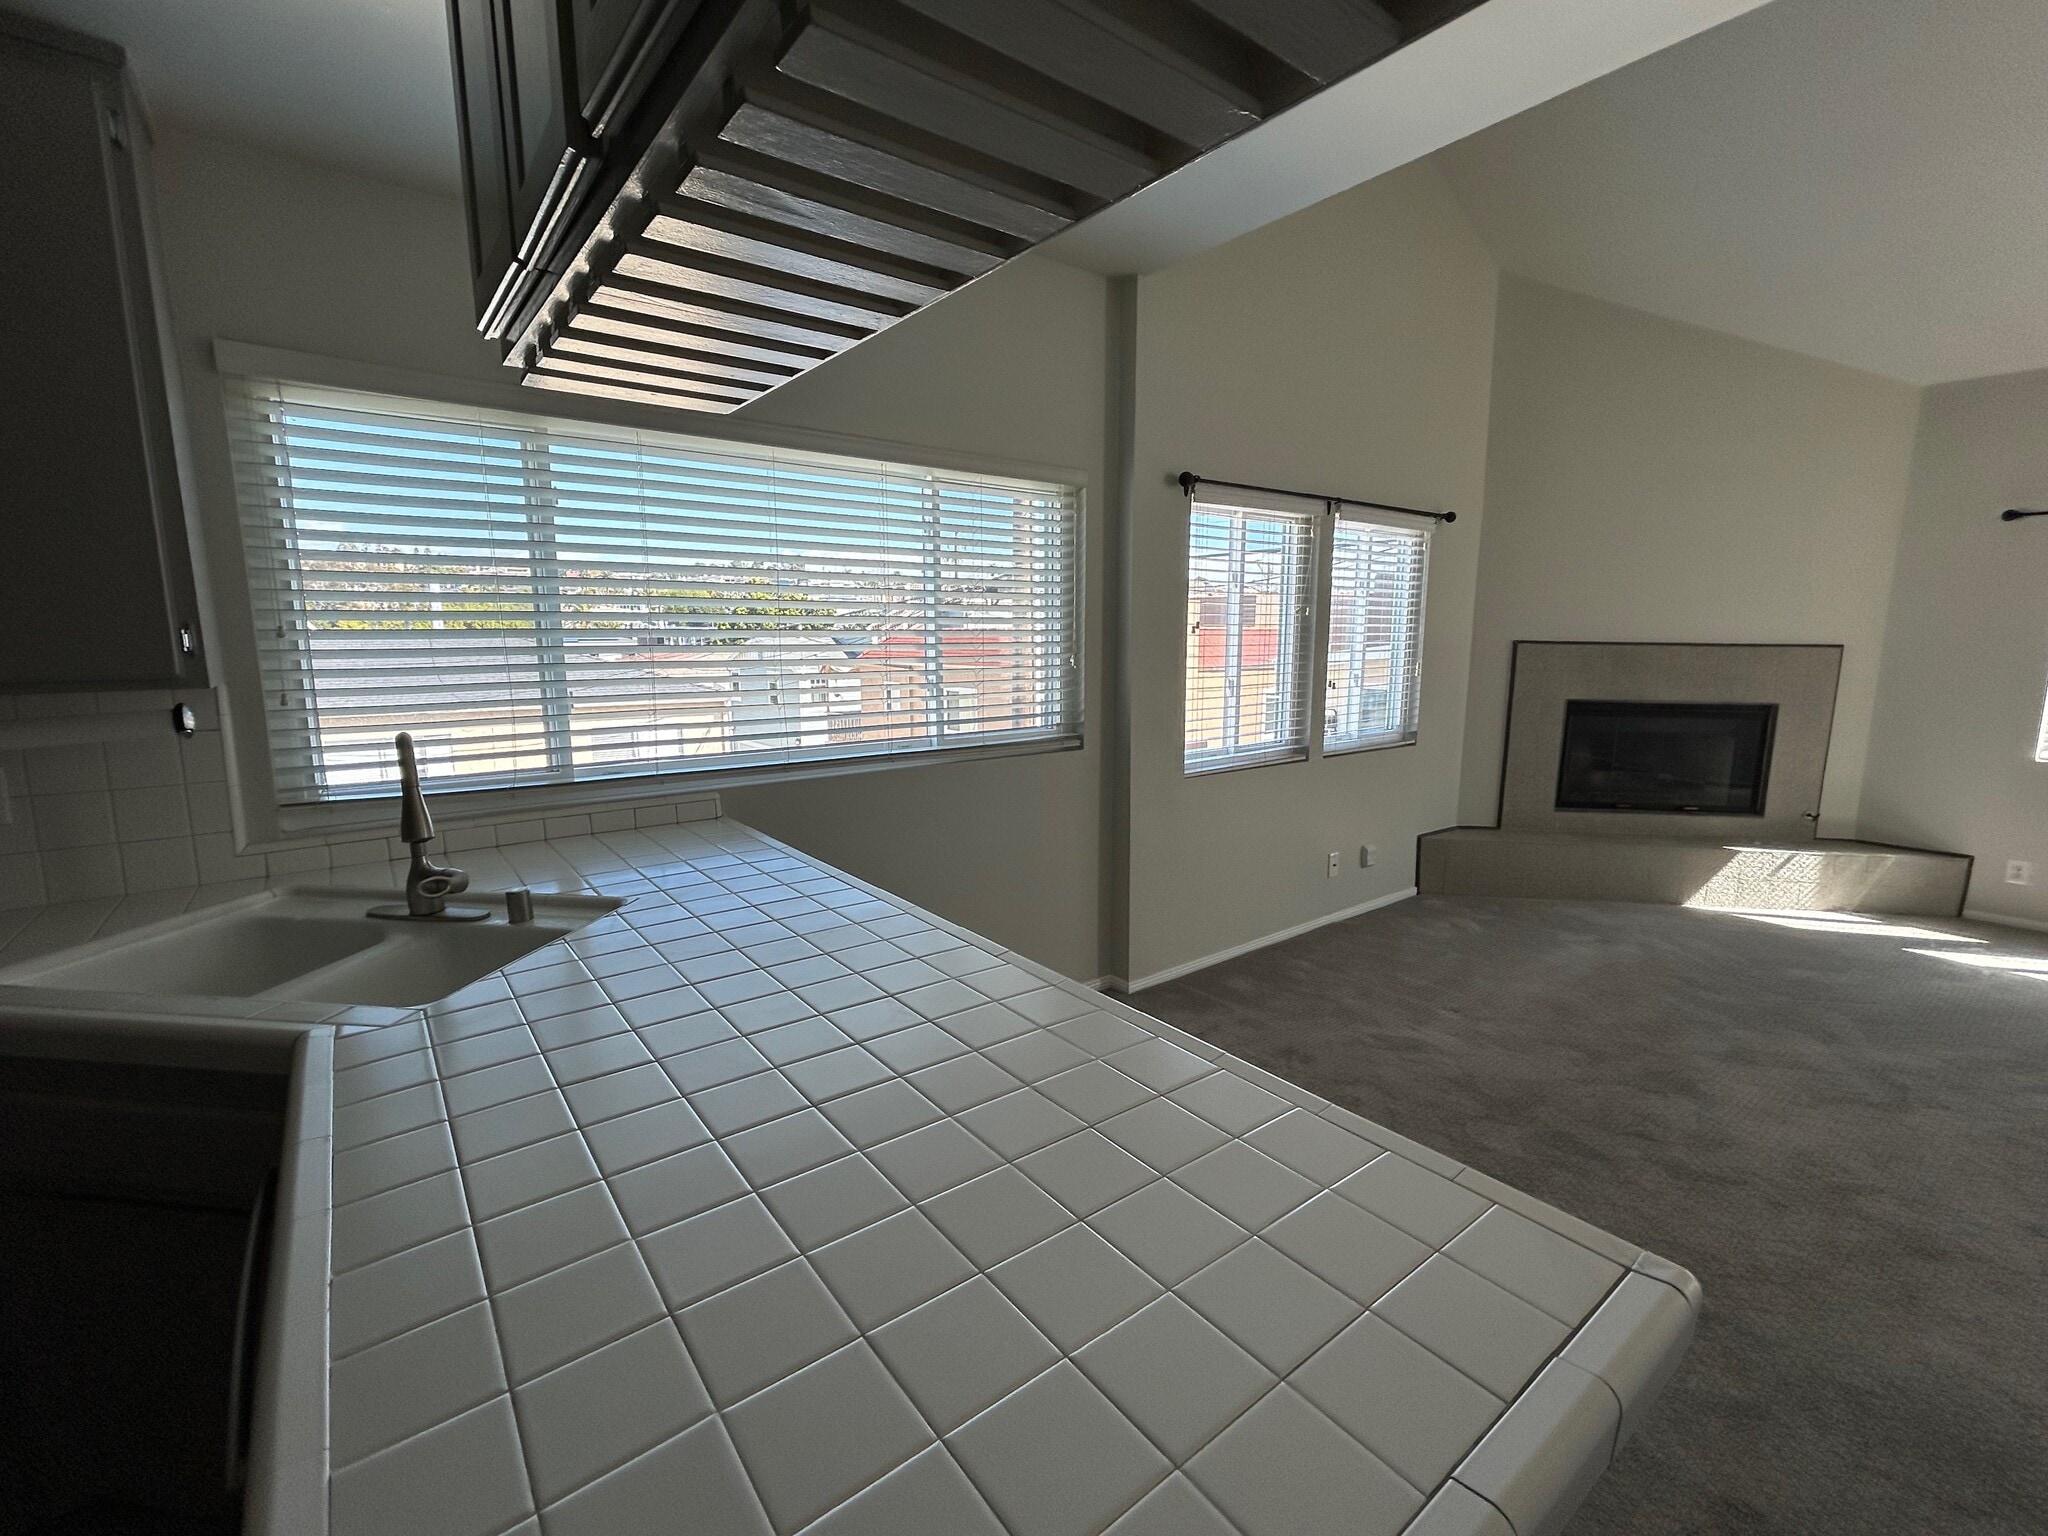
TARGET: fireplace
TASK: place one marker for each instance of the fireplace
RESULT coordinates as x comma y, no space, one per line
1681,759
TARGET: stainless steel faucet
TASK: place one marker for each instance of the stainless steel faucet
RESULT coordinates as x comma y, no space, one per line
427,885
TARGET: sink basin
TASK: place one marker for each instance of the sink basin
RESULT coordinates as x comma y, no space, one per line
310,945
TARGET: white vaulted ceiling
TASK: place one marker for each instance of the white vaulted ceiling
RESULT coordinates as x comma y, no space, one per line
358,83
1860,180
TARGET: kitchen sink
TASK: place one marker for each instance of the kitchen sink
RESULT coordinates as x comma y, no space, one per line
310,945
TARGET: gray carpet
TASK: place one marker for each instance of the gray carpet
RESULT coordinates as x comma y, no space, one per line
1847,1142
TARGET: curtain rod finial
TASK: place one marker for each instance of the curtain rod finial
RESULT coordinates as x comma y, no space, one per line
1187,480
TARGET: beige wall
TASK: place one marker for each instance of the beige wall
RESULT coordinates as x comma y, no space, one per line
1347,349
265,249
1648,480
1966,653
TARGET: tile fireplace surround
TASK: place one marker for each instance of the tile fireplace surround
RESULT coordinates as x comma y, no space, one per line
1774,859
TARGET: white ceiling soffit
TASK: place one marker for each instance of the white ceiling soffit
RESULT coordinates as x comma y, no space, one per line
358,83
1865,183
1490,63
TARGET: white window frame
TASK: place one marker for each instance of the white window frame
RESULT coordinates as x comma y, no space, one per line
264,823
1294,661
1310,635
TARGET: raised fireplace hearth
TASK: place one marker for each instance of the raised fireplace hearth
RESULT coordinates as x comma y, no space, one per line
1677,774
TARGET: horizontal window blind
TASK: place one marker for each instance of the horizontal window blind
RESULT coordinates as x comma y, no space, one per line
1378,573
542,601
1249,570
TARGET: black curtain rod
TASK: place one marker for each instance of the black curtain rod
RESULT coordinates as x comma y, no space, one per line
2014,514
1189,480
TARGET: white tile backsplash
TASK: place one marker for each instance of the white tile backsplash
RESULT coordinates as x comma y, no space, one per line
148,814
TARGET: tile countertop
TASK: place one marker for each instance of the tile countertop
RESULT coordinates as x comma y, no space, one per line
770,1203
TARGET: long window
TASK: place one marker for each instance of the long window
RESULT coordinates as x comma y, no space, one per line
1256,575
1248,584
542,601
1374,673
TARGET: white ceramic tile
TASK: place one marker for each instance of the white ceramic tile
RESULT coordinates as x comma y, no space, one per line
818,1438
396,1160
836,1074
644,1135
878,1016
1036,1056
1269,1304
1050,1005
497,1085
1224,1099
761,1330
710,1065
1159,1064
398,1219
922,1045
830,1201
1634,1343
1410,1409
1175,1375
674,1037
962,1350
1056,1458
1361,1255
596,1100
1074,1285
1286,1470
606,1408
1312,1146
927,1496
1167,1231
548,1234
571,1311
987,1025
382,1300
463,1478
1020,1122
884,1270
700,1256
595,1058
1497,1339
1458,1511
1094,1091
781,1149
1541,1459
799,1041
408,1384
996,1215
698,1471
407,1069
1175,1508
1538,1265
963,1082
1244,1184
942,998
672,1189
1085,1172
737,1106
1414,1199
505,1127
1101,1034
476,1052
388,1114
881,1113
534,1172
934,1158
1162,1133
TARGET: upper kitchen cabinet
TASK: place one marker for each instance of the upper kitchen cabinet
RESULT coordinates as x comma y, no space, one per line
737,190
96,587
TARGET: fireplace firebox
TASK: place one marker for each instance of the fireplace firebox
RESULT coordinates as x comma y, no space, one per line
1685,759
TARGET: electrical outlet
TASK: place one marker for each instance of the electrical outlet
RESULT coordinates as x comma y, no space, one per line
2019,872
1334,859
1368,855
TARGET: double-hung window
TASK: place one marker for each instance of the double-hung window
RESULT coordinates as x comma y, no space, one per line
543,601
1291,599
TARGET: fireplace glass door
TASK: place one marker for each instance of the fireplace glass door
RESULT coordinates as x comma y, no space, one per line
1697,759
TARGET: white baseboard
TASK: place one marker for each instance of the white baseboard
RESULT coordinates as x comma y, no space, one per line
1975,915
1173,973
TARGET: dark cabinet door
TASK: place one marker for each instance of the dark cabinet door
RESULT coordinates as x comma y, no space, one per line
487,193
543,126
95,578
606,32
